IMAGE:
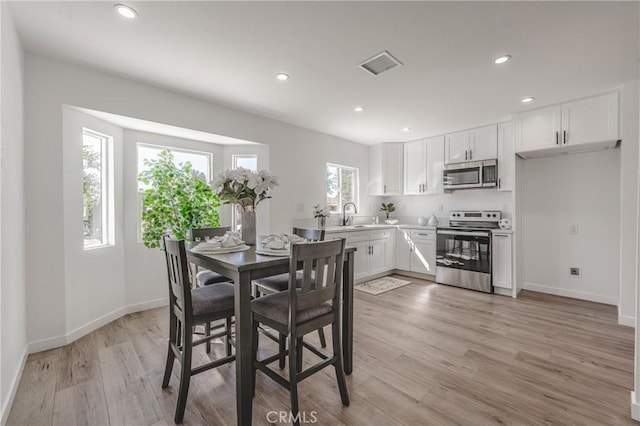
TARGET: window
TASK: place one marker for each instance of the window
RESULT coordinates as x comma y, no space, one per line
342,186
97,189
202,163
248,161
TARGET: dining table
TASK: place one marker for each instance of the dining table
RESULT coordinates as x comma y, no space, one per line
242,268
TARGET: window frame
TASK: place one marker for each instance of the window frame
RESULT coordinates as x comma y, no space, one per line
107,188
356,184
235,218
140,194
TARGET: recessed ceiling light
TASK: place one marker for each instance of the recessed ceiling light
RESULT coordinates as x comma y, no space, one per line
502,59
358,109
126,11
405,129
282,76
527,99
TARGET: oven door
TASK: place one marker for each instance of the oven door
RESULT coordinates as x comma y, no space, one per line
465,250
463,175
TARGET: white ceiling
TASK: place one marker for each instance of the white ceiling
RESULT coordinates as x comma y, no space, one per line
229,52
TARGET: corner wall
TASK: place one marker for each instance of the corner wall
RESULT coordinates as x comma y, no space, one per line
13,344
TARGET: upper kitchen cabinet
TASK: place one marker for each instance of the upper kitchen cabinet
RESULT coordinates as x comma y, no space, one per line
506,156
584,125
423,162
472,145
385,169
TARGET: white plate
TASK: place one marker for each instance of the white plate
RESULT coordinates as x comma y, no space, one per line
222,250
273,252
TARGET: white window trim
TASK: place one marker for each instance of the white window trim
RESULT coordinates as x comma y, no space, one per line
234,209
107,181
357,185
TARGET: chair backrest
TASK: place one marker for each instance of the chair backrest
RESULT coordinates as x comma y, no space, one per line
322,264
178,274
201,234
310,234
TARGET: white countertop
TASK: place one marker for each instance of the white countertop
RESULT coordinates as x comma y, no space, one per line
353,228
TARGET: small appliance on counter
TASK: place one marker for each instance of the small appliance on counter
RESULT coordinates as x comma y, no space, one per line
422,221
504,223
463,250
432,221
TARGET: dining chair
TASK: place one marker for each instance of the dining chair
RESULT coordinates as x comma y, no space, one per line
278,283
302,310
205,276
188,308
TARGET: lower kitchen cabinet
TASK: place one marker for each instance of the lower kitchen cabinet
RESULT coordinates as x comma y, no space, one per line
375,252
416,250
502,258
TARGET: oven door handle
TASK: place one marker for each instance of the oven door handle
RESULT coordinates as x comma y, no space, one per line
469,233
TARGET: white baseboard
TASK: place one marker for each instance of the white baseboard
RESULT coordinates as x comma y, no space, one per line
571,293
73,335
13,388
635,407
626,320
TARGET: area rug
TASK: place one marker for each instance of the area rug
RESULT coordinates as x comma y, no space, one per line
381,285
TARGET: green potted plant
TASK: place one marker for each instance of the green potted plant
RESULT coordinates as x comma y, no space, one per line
388,209
177,199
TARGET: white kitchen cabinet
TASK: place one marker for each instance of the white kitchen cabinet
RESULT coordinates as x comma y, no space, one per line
456,148
570,127
423,161
415,167
435,162
590,120
502,260
386,169
506,157
375,251
403,249
483,143
472,145
416,250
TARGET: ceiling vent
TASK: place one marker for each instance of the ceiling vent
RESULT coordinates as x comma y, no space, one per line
380,63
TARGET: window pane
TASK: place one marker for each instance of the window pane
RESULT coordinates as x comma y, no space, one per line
201,162
246,161
93,191
347,183
333,186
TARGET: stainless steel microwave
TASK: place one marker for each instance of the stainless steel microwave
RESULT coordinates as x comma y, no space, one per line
472,174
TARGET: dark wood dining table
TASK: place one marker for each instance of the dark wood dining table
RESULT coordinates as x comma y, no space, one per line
245,266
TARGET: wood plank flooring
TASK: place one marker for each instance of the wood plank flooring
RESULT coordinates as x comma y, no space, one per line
423,354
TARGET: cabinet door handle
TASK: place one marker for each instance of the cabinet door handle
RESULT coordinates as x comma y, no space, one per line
465,154
564,136
385,188
499,182
470,154
557,141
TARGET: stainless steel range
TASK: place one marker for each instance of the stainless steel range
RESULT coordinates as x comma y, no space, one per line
463,252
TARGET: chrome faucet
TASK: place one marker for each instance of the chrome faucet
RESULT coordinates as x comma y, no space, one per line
345,220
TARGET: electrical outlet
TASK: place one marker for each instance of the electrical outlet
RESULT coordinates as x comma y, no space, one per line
574,230
574,271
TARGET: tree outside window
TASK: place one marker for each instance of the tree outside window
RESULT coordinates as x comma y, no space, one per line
342,186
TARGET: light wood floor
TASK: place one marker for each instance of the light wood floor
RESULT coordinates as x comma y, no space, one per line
424,354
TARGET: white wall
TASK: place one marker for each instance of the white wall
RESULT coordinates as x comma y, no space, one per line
580,189
629,204
297,156
13,343
94,279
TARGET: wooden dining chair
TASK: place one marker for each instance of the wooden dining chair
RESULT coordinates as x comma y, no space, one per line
277,283
302,310
188,308
205,276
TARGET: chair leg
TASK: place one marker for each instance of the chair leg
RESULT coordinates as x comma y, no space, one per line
207,333
255,335
299,354
323,340
228,337
293,380
170,355
282,348
337,353
185,376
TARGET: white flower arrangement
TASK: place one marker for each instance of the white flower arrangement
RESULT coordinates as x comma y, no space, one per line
244,187
320,211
